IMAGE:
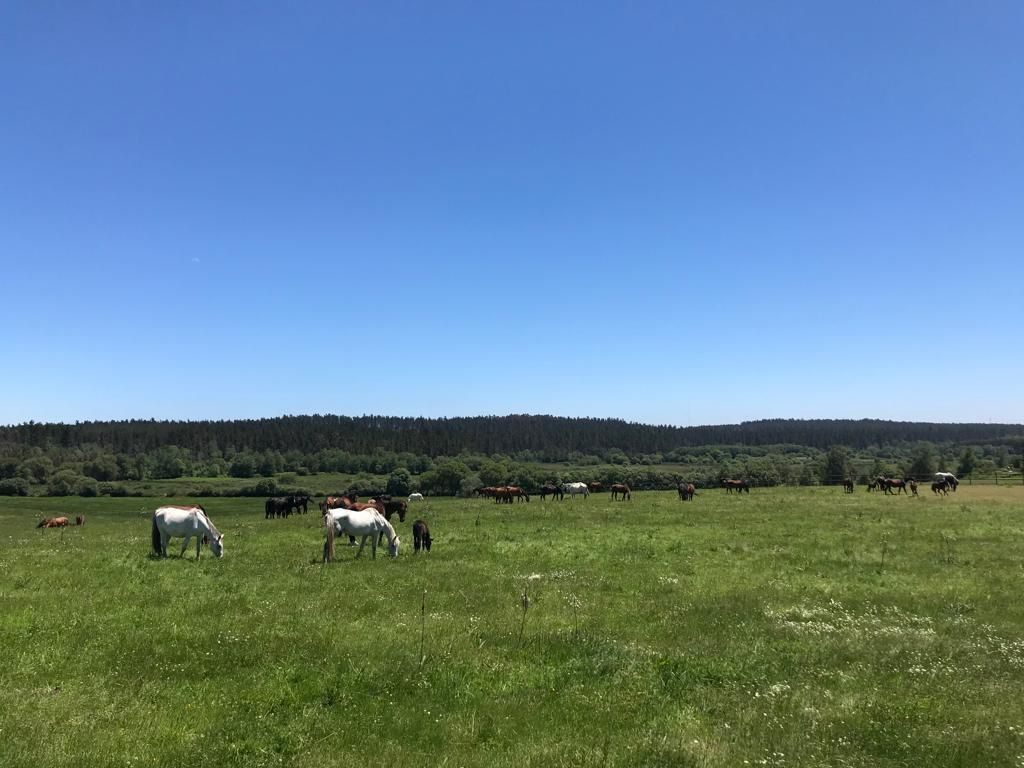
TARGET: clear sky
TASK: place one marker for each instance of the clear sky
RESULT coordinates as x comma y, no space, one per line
675,212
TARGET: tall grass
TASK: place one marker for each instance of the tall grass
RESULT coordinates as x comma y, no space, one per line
754,630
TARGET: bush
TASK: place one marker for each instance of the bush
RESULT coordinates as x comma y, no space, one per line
14,486
66,482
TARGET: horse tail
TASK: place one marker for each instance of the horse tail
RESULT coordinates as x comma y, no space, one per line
329,543
157,544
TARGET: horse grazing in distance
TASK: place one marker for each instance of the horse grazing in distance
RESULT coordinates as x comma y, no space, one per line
278,506
595,487
551,490
736,485
368,523
913,486
686,491
415,497
80,520
187,522
421,536
575,489
940,486
848,485
54,522
621,490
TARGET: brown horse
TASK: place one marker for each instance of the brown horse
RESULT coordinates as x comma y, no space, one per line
54,522
913,487
621,490
595,487
421,536
899,485
848,485
506,493
940,486
686,491
736,485
80,520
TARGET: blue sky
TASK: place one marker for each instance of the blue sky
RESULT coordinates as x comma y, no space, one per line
680,213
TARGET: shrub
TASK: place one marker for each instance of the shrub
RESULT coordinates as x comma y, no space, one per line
14,486
66,482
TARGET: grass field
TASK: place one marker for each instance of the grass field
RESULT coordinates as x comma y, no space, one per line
790,627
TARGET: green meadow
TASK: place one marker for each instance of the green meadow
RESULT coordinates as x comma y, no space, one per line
787,627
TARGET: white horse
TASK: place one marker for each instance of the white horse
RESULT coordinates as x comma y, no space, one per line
948,478
415,497
368,523
574,489
188,522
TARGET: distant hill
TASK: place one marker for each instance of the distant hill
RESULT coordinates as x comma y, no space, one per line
550,437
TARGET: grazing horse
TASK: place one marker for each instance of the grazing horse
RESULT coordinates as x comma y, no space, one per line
848,485
187,522
736,485
621,490
368,523
279,506
949,478
595,487
299,504
415,497
552,491
913,486
54,522
686,491
575,489
421,536
940,486
80,520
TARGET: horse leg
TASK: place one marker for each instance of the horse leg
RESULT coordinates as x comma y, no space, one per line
362,544
373,545
184,546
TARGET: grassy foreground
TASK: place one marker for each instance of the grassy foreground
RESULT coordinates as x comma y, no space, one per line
788,627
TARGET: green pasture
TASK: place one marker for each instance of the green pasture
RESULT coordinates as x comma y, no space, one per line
787,627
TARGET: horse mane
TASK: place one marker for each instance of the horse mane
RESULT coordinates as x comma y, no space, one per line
389,528
213,528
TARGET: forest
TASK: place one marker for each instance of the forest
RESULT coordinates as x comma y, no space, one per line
452,455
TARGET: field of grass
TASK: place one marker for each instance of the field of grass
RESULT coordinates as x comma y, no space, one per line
790,627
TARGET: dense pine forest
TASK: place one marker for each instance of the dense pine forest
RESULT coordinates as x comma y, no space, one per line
450,455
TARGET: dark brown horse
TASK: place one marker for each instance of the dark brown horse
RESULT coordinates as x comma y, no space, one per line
552,491
940,486
892,482
686,491
848,485
736,485
53,522
421,536
621,490
595,487
395,506
80,520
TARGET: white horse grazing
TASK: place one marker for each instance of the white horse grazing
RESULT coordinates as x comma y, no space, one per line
948,478
415,497
368,523
573,489
188,522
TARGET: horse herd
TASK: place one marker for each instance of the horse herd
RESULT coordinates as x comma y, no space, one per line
346,515
943,483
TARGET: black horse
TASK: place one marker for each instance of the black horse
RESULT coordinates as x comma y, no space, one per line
278,506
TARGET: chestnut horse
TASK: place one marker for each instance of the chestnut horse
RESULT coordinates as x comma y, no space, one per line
54,522
421,536
621,490
686,491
